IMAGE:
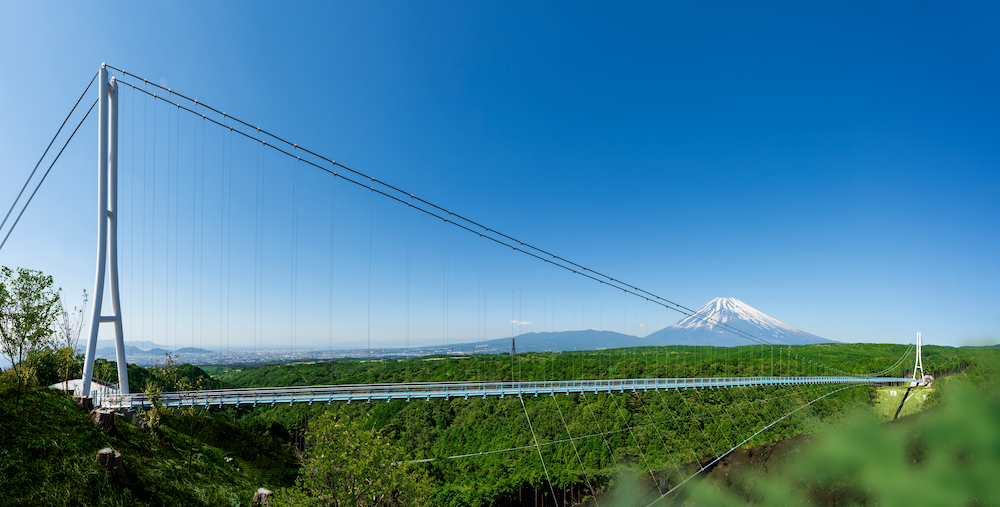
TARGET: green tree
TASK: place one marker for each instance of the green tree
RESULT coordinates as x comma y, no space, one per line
171,376
69,323
28,310
348,463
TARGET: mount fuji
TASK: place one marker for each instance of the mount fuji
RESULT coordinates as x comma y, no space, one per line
705,327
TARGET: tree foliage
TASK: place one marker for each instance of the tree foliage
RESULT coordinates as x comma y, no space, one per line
348,463
28,310
616,435
69,324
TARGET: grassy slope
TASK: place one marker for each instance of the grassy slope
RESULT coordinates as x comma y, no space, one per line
887,404
48,447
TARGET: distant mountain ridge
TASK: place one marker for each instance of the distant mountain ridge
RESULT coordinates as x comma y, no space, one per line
110,353
106,349
708,326
586,339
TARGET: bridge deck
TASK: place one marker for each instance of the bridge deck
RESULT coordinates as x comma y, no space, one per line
427,390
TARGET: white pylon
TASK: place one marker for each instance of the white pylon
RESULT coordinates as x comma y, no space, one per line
919,363
107,199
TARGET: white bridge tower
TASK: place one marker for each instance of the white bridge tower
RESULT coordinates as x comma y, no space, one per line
919,364
107,208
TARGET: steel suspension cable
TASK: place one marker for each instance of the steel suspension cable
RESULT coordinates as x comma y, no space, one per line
46,152
229,237
166,316
719,458
32,196
223,269
333,229
575,450
371,233
601,433
295,256
564,263
152,240
637,446
431,213
539,449
142,248
201,241
596,275
256,240
649,417
131,222
409,247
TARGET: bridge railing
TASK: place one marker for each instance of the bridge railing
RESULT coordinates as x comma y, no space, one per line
426,390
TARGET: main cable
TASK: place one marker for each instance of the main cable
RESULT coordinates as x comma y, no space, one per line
612,283
598,275
47,148
32,196
564,263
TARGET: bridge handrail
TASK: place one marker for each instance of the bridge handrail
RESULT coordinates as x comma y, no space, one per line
427,390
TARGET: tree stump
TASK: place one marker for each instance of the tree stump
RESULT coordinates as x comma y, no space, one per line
111,460
262,497
104,419
85,403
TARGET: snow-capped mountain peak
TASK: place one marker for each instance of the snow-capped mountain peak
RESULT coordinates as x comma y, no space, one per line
712,324
722,310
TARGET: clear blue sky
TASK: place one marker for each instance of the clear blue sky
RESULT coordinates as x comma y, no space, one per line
835,166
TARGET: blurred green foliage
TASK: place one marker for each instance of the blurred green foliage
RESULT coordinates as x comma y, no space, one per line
947,456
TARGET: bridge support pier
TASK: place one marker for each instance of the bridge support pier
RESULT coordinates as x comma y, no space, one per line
107,198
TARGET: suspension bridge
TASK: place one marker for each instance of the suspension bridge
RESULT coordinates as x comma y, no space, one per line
333,256
447,390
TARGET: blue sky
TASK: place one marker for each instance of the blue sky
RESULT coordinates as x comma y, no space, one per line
834,166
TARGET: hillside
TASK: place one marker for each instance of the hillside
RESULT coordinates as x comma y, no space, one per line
48,447
220,458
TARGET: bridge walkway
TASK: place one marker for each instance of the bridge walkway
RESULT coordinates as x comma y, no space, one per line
427,390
